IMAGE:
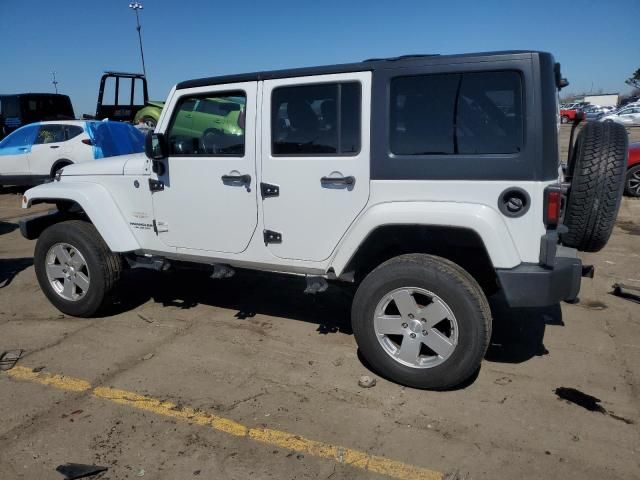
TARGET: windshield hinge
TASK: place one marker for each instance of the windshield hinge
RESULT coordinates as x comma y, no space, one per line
156,185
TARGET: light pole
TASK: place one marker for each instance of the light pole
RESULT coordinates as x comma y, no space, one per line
54,81
135,6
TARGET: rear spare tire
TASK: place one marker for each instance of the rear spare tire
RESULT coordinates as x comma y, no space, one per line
597,180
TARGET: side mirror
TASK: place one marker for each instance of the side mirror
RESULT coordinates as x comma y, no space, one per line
155,146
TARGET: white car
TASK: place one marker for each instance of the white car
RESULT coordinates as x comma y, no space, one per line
629,115
34,153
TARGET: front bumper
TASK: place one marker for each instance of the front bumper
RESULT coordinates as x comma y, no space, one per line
541,285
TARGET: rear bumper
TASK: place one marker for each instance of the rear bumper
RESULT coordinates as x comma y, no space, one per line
538,285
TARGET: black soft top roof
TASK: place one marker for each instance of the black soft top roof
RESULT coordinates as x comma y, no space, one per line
367,65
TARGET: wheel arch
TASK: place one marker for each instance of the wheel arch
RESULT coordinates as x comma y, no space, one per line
451,230
94,201
61,162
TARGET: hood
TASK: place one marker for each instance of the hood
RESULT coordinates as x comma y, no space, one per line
104,166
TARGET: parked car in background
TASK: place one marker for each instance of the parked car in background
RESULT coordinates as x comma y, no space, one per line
35,153
24,108
626,116
149,114
632,184
593,112
568,115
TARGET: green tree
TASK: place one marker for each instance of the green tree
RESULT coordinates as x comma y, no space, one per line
634,80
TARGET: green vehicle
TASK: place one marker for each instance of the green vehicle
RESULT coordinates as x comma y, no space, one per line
149,114
208,125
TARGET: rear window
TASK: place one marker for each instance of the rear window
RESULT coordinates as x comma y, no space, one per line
450,114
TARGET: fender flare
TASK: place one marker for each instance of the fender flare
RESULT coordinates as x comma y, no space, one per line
96,202
483,220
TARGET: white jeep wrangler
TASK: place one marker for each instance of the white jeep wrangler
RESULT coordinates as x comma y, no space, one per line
428,182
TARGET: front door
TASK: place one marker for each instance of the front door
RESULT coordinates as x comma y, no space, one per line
209,200
15,151
315,148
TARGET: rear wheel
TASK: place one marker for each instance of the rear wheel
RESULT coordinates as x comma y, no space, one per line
57,167
75,268
564,119
422,321
632,184
597,173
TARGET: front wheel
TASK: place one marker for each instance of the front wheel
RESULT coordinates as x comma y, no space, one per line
422,321
75,268
150,122
564,119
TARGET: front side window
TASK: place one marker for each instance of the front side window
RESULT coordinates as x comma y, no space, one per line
208,125
316,120
23,137
449,114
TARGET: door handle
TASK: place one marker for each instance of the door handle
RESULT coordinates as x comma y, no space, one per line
54,146
236,179
337,181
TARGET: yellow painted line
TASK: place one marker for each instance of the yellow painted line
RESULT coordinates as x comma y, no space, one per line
286,440
60,382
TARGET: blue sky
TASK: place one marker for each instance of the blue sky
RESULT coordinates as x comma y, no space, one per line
595,40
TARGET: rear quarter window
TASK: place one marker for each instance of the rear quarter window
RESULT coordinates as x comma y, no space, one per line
457,114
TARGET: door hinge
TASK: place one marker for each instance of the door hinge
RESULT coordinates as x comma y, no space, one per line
159,226
269,190
272,237
156,185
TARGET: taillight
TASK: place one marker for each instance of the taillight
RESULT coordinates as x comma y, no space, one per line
552,205
86,141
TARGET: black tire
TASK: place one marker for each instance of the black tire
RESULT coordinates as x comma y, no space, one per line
597,181
59,166
456,288
104,267
632,182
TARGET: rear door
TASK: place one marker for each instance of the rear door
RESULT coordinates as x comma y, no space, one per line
49,145
315,149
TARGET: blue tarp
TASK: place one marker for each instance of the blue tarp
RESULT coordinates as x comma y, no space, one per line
114,138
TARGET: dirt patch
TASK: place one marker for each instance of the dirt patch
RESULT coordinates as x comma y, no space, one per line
594,305
629,227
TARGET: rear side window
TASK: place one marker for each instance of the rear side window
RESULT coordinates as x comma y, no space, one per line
316,120
73,131
208,125
50,134
466,114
